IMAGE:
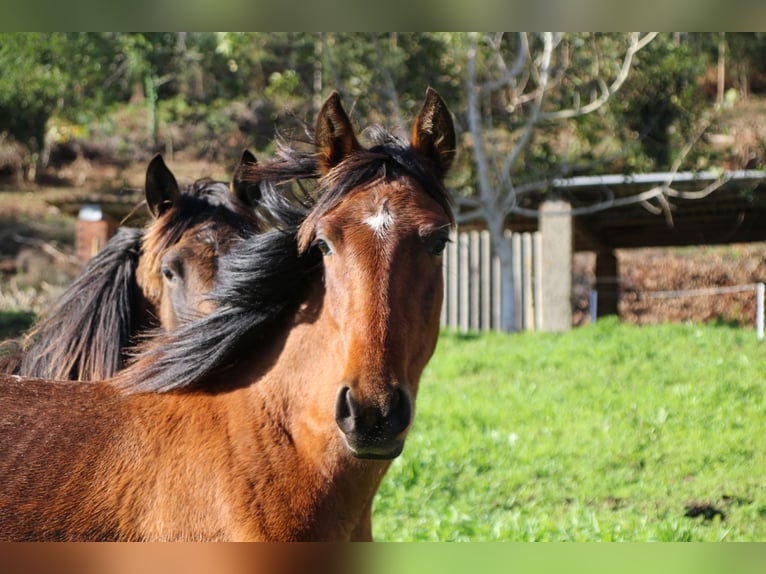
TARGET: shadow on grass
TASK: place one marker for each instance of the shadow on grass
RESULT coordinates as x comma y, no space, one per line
13,323
732,323
460,336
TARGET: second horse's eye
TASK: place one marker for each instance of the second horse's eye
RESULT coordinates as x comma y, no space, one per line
323,247
167,273
172,268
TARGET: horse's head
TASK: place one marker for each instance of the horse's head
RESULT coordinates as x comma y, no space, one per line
382,221
191,228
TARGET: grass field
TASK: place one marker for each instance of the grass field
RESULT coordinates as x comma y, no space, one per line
609,432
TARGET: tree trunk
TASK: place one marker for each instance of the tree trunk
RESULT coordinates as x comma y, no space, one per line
503,249
152,117
721,80
317,80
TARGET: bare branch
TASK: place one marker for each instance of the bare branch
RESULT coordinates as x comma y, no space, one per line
510,73
474,118
660,193
596,207
550,41
469,216
704,125
637,42
701,194
647,205
390,88
467,202
667,209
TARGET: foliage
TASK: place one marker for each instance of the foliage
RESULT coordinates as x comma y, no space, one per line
611,432
77,77
13,323
29,86
748,52
660,103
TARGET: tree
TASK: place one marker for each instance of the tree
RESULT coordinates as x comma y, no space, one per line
30,86
747,51
516,89
45,74
660,103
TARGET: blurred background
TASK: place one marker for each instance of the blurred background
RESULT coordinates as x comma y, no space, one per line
81,114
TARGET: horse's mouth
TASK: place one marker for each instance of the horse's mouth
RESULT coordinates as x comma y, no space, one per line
376,451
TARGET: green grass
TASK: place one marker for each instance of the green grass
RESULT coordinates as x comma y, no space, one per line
609,432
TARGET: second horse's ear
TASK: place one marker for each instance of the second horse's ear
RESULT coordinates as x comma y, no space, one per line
246,191
161,187
433,134
335,137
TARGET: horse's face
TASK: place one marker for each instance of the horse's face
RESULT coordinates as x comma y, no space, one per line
383,290
178,266
187,275
382,246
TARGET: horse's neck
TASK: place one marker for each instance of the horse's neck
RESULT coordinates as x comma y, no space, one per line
314,473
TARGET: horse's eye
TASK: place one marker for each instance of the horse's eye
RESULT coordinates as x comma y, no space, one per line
437,244
167,273
323,247
172,269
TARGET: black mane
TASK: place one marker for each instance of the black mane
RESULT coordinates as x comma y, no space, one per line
261,279
85,333
89,332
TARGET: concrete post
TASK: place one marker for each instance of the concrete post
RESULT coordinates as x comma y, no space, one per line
556,232
92,230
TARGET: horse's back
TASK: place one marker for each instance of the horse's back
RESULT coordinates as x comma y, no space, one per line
56,439
82,461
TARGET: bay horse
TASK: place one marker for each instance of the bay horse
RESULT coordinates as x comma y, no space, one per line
276,416
141,279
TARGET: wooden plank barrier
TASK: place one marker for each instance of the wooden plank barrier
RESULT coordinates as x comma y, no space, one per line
473,282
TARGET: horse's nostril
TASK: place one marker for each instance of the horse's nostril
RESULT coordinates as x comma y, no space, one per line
344,415
396,399
389,419
400,410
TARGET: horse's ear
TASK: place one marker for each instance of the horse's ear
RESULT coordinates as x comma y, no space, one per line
434,134
335,137
161,187
238,185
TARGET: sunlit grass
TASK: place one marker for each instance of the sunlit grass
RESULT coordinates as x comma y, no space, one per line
608,432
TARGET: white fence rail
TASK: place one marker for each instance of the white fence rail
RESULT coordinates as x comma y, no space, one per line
473,288
759,289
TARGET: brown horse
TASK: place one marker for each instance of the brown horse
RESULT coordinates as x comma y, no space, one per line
140,280
276,416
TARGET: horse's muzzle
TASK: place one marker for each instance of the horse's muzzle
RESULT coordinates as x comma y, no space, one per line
372,431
